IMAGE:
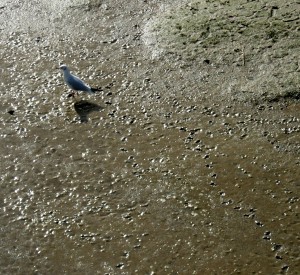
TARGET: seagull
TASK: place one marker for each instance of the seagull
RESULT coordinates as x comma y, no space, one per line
75,83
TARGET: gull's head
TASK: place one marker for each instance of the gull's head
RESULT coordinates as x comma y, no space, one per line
64,68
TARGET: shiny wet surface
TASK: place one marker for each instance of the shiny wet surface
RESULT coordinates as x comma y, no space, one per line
165,176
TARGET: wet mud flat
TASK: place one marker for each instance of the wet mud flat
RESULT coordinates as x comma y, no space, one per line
186,163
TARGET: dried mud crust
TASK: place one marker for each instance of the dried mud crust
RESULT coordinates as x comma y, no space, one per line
252,46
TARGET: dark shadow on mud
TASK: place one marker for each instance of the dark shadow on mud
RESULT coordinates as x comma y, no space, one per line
83,108
290,95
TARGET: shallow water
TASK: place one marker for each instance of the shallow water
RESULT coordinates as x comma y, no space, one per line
164,176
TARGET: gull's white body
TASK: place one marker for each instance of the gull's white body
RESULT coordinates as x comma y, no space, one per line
74,82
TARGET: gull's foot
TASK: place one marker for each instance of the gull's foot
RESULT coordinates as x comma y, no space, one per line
73,94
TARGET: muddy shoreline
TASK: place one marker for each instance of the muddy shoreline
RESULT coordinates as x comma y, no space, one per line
186,163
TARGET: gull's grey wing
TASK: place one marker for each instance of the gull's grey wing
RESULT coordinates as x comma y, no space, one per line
77,84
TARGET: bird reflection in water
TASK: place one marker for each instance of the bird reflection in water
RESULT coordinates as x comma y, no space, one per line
83,108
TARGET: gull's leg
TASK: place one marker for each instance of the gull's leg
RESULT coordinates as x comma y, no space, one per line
72,94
